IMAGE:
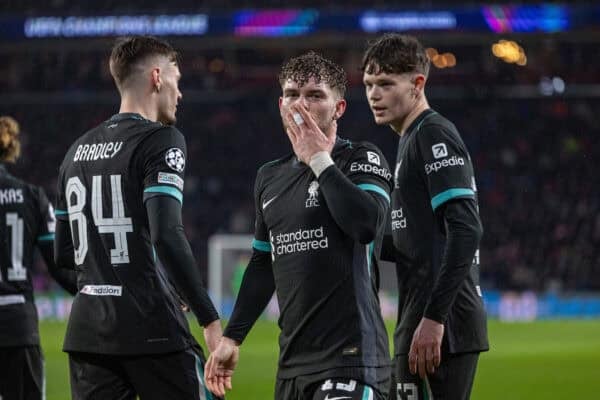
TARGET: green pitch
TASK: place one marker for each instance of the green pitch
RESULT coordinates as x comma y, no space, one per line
529,361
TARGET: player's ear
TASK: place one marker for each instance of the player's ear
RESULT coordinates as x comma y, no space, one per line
340,108
156,79
419,82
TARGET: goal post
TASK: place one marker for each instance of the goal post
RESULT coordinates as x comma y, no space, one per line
225,252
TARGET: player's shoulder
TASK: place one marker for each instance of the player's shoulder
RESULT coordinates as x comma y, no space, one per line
363,146
20,188
358,150
159,133
270,167
168,131
435,123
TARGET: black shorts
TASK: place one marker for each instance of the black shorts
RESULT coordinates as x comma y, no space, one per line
453,380
321,387
22,373
178,375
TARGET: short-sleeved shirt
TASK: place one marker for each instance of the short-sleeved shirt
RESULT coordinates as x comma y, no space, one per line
125,303
326,281
26,219
433,167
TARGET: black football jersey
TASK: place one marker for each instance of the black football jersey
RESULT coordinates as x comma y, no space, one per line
125,303
433,167
26,219
326,282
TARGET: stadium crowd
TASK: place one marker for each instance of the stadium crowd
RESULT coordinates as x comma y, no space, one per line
534,155
537,179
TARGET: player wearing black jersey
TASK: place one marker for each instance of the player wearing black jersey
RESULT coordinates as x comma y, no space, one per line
120,193
435,230
26,222
320,215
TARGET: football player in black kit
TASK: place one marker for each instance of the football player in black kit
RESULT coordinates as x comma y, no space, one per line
436,230
320,214
120,193
26,222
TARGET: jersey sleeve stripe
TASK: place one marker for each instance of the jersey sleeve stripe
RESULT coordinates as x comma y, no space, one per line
58,212
449,194
204,393
369,187
261,246
46,238
171,191
367,393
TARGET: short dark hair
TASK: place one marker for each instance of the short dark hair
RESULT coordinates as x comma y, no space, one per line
313,65
393,53
128,51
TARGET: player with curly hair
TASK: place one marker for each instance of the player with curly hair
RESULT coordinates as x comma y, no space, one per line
320,214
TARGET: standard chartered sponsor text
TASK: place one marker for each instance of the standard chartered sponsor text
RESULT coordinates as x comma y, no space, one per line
300,240
398,219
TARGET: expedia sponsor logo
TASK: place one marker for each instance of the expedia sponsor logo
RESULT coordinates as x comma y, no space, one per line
373,158
97,151
371,169
398,219
170,179
299,241
447,162
102,290
439,150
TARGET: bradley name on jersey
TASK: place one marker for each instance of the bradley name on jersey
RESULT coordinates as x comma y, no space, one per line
97,151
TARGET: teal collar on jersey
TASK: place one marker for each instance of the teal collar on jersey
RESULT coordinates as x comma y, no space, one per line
416,124
123,116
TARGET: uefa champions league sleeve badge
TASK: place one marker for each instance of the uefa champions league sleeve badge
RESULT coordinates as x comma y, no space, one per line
175,159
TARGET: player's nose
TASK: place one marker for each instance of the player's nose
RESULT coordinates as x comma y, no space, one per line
303,101
374,94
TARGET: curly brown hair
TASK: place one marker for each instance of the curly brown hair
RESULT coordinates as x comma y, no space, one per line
393,53
313,65
10,147
128,51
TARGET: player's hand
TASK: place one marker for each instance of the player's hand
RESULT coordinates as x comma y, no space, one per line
212,334
306,137
220,366
425,350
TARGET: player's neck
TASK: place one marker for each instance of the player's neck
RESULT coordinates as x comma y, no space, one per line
131,104
401,126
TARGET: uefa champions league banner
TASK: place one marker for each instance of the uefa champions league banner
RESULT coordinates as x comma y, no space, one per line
505,306
538,18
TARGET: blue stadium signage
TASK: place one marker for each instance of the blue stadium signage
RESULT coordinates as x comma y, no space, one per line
157,25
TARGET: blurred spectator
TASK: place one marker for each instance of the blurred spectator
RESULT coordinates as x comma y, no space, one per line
536,158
